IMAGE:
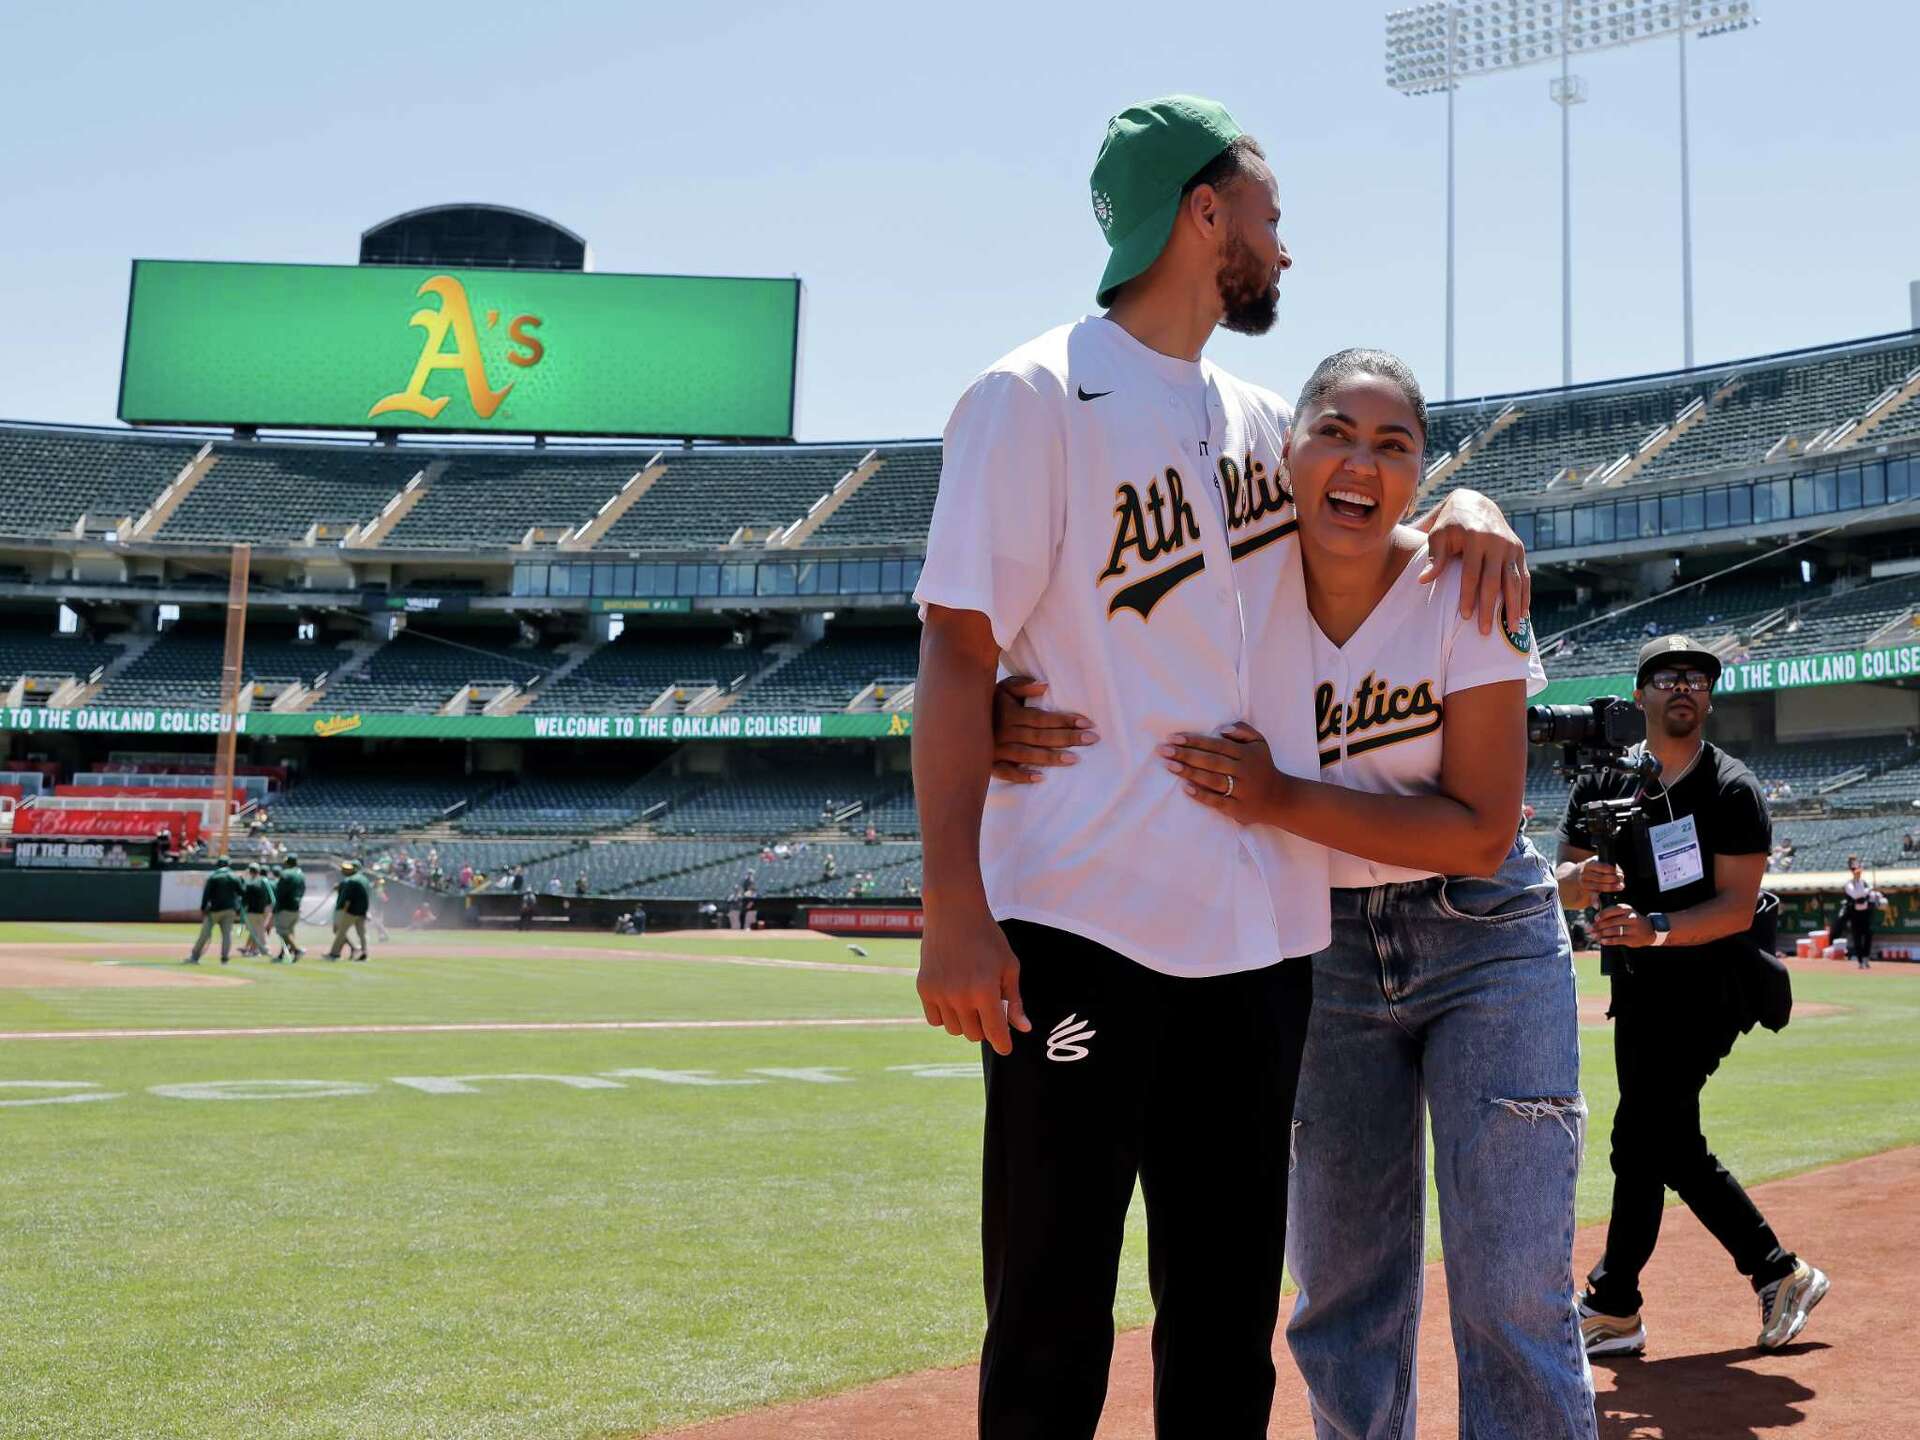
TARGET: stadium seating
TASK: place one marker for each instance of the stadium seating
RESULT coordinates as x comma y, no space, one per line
630,672
182,667
418,672
793,801
53,477
707,495
573,806
833,672
274,494
32,649
382,803
1554,432
494,500
1793,397
895,505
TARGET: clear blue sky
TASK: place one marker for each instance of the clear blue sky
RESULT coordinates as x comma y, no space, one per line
924,169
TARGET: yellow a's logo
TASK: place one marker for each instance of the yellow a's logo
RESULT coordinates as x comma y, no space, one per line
455,314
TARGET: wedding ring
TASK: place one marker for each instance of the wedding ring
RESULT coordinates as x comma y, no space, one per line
1229,787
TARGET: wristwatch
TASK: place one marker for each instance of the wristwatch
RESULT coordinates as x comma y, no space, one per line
1662,927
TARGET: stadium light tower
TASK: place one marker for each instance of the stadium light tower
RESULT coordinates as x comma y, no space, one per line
1432,47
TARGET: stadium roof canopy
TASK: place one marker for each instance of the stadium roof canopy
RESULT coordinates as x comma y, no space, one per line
492,236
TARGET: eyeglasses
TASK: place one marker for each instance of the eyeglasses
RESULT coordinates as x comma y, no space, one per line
1690,680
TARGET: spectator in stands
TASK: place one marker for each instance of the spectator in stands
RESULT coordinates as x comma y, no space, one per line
782,850
829,867
1907,843
873,835
553,885
220,899
519,877
580,883
466,876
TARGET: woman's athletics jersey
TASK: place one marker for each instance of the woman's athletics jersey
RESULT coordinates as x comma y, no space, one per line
1120,517
1380,700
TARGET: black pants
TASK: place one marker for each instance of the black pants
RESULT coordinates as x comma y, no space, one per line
1657,1145
1860,936
1187,1085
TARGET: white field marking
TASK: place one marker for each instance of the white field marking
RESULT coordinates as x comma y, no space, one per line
543,952
460,1084
453,1028
262,1089
91,1085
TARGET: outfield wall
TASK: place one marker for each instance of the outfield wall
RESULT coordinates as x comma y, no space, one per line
83,894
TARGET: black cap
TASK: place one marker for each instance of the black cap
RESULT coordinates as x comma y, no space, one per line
1669,650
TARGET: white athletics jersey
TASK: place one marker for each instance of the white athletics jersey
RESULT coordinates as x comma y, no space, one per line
1119,516
1380,699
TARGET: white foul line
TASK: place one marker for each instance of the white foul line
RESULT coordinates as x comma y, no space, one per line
452,1028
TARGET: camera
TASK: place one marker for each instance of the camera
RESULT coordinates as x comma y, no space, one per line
1595,738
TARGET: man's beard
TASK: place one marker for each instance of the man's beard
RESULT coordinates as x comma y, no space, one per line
1247,291
1680,727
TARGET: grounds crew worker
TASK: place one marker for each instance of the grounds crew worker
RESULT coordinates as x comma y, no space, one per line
219,905
350,905
258,898
289,890
1694,881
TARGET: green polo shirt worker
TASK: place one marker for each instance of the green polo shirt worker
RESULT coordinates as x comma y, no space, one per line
257,897
289,890
220,901
350,906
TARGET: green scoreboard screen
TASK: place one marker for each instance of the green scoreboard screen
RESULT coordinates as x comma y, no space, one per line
378,347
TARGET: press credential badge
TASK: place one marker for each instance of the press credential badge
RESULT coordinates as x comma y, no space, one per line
1676,853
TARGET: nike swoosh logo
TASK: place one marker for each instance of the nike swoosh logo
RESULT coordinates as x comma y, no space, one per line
1094,395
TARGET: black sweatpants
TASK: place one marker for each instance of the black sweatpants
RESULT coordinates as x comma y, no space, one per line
1860,936
1188,1085
1657,1145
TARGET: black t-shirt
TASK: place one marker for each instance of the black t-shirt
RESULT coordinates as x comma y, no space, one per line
1730,818
1729,814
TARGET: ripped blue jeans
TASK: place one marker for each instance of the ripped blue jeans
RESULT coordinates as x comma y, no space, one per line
1455,996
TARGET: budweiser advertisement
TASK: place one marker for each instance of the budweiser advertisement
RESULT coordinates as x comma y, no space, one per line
181,826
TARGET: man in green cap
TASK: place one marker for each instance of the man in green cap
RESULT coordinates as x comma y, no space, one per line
257,901
289,890
1114,521
220,901
351,903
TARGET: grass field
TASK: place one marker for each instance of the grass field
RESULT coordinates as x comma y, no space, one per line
334,1236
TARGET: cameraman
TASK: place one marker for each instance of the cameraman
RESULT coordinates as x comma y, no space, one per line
1692,877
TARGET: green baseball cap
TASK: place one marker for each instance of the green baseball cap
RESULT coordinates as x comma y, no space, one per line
1150,152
